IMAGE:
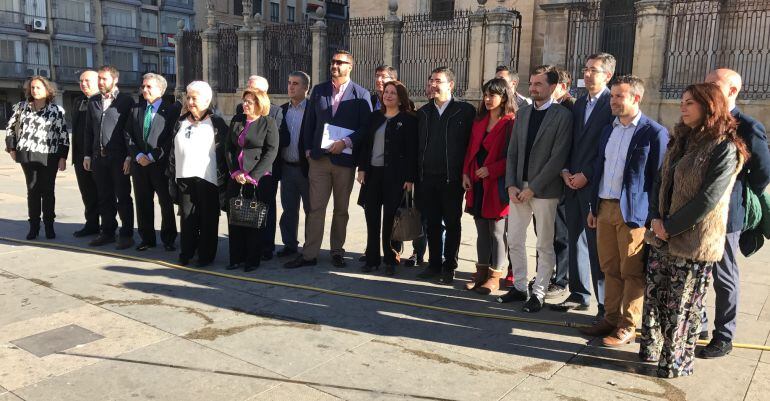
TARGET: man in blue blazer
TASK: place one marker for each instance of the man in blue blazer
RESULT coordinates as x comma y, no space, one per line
630,153
755,174
342,103
591,114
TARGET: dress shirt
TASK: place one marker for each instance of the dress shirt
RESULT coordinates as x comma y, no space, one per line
615,154
545,106
590,105
337,93
443,106
155,106
293,119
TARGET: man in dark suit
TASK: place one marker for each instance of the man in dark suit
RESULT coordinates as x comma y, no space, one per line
755,174
443,130
86,183
631,150
591,114
345,104
149,132
106,154
269,183
293,163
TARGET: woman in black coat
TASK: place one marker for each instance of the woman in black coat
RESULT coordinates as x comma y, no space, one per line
387,166
250,149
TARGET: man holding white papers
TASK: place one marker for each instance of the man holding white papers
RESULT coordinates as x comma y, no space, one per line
346,107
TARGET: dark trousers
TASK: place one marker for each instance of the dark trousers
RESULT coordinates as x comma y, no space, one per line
442,201
88,194
268,190
40,189
561,246
726,288
583,257
199,211
148,181
381,202
114,193
247,243
294,187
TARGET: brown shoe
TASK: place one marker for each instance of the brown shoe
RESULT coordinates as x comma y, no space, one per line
602,328
479,277
623,335
492,283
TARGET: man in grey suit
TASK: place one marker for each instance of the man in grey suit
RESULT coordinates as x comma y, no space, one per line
591,114
537,151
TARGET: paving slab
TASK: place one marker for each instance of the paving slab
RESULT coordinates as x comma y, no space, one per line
22,299
562,388
759,389
294,392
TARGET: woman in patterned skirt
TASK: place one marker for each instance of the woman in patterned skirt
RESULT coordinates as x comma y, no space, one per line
37,138
688,210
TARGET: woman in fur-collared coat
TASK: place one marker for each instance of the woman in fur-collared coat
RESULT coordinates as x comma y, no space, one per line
688,211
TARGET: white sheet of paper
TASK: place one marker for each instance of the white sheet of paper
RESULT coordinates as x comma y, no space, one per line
334,133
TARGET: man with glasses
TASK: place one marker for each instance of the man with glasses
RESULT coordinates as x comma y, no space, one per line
339,105
382,75
591,114
444,128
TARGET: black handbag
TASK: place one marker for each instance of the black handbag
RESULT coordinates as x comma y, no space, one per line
407,222
247,212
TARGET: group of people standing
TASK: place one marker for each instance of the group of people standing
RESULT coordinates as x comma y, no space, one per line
624,210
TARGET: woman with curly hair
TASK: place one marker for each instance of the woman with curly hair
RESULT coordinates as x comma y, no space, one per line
688,217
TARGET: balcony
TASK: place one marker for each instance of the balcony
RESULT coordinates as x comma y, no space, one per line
73,27
130,77
43,70
121,33
149,39
188,4
12,19
68,74
150,2
12,70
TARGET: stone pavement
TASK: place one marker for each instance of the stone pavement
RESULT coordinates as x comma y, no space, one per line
78,326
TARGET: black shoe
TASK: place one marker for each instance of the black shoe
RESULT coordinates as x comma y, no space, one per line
203,263
390,270
184,261
429,273
233,266
247,267
513,295
554,291
286,251
169,247
338,261
124,243
299,262
49,231
366,268
34,230
411,261
533,305
715,349
569,304
447,277
704,335
143,246
85,231
102,240
267,256
362,258
530,284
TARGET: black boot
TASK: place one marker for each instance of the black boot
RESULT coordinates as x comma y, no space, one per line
49,232
34,229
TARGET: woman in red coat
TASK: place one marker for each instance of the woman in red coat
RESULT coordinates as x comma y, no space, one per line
483,180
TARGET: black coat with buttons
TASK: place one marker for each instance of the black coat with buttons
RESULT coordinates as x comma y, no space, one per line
400,156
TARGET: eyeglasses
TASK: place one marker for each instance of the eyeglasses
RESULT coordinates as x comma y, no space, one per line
188,131
338,62
592,71
249,102
437,81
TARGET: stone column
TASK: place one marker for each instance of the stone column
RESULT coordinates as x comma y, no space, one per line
476,56
209,51
258,47
178,54
556,24
649,50
498,35
320,69
244,47
391,39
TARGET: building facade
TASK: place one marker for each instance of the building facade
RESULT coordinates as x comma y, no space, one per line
230,12
60,38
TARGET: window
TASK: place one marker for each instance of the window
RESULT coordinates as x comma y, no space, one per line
150,23
10,49
169,64
442,9
168,24
149,62
256,7
275,12
119,17
76,10
75,56
122,59
289,14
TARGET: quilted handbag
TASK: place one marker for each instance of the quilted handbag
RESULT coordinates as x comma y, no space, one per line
247,212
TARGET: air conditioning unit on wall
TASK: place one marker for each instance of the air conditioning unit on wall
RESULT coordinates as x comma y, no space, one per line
39,24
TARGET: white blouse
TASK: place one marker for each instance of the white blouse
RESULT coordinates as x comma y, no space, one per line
194,150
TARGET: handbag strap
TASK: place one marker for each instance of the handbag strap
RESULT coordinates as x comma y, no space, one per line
254,195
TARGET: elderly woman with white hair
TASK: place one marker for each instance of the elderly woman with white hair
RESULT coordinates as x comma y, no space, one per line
198,173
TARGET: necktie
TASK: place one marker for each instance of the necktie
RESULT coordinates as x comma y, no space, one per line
147,123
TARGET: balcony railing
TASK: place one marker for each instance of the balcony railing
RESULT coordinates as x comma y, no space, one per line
178,3
150,2
130,77
149,39
11,19
38,69
73,27
12,70
121,33
68,73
